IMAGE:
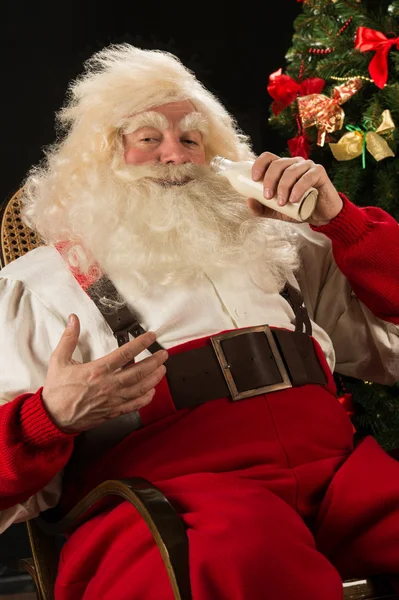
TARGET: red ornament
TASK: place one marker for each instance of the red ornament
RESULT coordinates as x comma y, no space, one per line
299,146
284,89
371,39
347,402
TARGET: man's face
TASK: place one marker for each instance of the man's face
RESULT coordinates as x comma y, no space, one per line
160,216
168,134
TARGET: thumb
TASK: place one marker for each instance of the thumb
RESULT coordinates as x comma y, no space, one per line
69,340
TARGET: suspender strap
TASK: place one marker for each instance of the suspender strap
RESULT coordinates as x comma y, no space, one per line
116,312
295,299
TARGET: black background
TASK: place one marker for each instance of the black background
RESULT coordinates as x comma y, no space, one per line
44,44
232,51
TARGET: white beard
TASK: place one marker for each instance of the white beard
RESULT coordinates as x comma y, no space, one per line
141,231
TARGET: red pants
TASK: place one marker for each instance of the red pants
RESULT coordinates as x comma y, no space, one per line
276,502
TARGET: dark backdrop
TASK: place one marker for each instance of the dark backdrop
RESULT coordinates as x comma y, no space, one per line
232,51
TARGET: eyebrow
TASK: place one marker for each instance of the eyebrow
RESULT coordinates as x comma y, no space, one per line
149,118
194,121
191,121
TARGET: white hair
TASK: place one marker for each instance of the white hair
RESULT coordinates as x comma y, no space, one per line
118,82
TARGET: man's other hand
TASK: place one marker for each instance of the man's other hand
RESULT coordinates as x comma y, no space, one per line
81,396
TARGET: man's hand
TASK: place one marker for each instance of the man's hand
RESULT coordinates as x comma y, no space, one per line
81,396
289,179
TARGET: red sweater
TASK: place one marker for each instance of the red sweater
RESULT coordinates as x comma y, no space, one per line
32,449
365,247
364,241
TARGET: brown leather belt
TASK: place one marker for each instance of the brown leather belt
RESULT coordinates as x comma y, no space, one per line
241,364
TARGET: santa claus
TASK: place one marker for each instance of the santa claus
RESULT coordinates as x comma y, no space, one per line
230,401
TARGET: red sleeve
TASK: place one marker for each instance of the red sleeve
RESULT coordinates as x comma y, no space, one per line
32,449
365,244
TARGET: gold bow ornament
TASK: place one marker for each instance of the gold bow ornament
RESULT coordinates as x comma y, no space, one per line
358,139
324,112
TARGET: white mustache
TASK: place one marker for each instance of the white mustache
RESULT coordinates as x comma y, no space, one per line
163,172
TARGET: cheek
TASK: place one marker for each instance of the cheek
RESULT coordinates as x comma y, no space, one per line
134,156
200,157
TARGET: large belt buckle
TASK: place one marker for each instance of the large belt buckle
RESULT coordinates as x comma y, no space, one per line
226,370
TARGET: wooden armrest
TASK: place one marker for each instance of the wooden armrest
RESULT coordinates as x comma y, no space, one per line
28,565
43,565
162,519
373,588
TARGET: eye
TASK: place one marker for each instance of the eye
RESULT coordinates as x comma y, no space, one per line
191,142
148,139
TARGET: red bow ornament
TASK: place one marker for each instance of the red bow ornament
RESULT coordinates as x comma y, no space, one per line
370,39
284,90
326,113
299,146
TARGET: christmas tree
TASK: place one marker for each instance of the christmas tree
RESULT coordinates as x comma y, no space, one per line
337,102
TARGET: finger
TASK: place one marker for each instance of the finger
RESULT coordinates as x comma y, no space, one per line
68,341
264,211
289,178
136,404
273,175
145,385
139,371
118,358
261,164
310,179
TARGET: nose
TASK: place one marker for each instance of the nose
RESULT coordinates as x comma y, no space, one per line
173,152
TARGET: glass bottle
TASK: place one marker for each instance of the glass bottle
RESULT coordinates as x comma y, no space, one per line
239,174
